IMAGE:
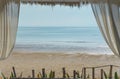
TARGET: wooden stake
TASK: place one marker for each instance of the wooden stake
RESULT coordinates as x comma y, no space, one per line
102,72
74,74
84,74
33,73
43,72
111,68
64,72
93,73
14,71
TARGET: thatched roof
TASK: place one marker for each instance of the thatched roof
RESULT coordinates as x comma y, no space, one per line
66,2
62,2
57,2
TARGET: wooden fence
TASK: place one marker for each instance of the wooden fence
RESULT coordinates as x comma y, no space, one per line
76,75
93,70
65,75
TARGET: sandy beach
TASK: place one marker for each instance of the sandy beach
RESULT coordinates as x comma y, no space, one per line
25,62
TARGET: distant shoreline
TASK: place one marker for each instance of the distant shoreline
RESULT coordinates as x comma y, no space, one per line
60,52
61,49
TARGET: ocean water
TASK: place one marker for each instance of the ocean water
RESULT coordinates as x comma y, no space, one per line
61,39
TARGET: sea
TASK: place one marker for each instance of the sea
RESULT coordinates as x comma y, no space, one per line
68,40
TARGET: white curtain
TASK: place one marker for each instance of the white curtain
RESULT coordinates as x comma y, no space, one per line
9,14
107,14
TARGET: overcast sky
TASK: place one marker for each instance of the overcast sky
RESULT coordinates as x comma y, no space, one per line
36,15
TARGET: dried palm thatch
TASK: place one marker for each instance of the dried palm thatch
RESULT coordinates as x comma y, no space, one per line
61,2
57,2
67,2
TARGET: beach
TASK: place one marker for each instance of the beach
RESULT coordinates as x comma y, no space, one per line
53,48
54,43
25,62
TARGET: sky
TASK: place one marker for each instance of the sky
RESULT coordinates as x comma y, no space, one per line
37,16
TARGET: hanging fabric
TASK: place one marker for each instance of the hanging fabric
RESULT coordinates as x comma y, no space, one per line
107,15
9,15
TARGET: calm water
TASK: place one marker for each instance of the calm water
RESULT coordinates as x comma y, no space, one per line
61,39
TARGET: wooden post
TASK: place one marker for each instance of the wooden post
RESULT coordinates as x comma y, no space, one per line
64,72
33,73
43,72
93,73
54,74
111,68
14,71
102,72
84,73
74,74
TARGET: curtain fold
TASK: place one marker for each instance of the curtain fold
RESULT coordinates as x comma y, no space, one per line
9,15
107,15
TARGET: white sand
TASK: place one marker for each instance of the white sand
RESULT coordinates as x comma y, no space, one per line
25,62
